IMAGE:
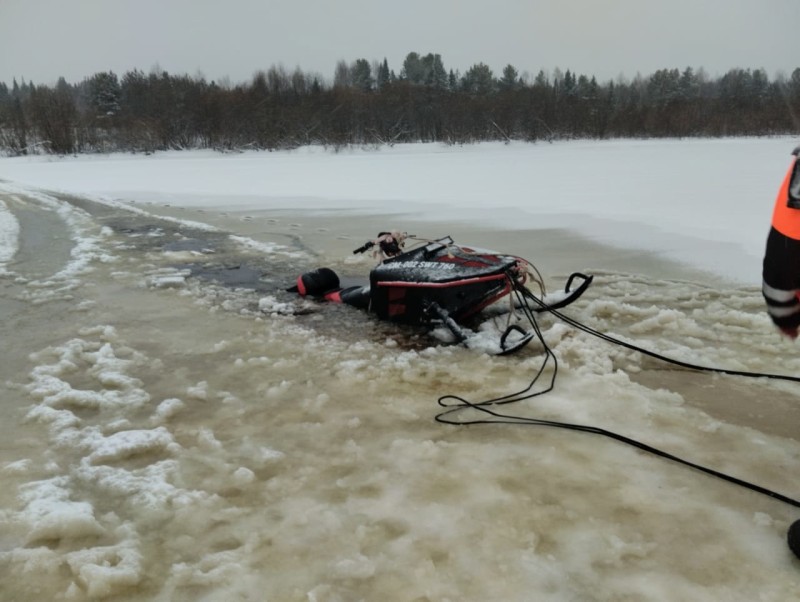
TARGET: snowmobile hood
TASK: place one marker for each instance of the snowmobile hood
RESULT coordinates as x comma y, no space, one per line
438,263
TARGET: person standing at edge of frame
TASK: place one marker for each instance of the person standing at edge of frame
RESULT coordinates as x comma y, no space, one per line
781,274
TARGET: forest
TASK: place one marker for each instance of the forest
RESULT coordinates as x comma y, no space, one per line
367,103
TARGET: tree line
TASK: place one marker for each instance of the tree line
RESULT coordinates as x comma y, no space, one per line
368,103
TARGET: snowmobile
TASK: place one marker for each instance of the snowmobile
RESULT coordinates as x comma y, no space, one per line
440,284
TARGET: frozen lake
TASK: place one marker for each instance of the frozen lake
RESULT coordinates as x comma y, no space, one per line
178,427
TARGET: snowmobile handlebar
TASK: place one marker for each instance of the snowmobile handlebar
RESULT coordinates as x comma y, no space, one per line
365,247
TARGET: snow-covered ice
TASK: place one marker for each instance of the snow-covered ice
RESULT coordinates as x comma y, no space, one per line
171,439
703,201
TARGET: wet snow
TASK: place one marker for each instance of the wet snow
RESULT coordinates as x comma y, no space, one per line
189,439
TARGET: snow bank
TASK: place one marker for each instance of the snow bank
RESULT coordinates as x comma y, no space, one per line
9,234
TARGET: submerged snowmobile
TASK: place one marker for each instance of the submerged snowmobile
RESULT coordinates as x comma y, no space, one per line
439,283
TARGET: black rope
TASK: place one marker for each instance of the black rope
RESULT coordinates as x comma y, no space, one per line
456,404
653,354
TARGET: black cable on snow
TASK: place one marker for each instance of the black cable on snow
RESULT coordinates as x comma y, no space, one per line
456,404
658,356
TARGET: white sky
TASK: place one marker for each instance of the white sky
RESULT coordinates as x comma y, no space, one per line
41,40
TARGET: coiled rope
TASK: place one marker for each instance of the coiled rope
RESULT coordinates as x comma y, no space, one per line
455,404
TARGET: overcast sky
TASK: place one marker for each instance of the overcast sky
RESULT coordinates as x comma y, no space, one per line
41,40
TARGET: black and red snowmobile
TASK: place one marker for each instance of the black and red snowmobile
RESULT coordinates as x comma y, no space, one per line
438,283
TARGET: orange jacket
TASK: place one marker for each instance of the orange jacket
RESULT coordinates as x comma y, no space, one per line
785,219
